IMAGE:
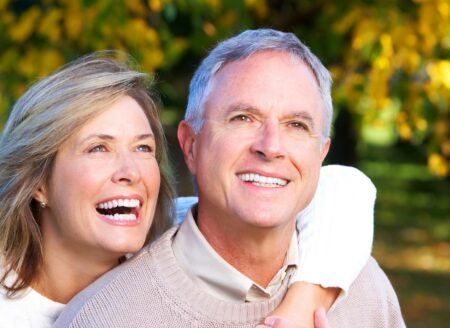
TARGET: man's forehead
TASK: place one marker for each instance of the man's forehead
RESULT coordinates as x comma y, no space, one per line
259,61
265,54
272,76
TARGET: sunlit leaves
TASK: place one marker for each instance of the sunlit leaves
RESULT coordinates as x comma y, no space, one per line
390,59
438,164
25,25
404,57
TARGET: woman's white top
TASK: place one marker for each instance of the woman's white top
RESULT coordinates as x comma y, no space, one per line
28,310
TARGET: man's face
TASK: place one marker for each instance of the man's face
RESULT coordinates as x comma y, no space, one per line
258,156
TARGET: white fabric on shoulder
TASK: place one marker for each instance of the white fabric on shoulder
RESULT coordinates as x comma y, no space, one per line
335,230
28,310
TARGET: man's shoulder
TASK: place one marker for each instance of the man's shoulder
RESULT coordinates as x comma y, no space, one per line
371,301
134,275
372,282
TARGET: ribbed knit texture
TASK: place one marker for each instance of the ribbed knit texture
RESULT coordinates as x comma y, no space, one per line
151,290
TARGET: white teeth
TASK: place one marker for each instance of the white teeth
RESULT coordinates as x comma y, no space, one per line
132,203
121,217
262,181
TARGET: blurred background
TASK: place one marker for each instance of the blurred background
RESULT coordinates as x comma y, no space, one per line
390,61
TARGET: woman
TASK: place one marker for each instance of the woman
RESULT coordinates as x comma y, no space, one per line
83,182
83,176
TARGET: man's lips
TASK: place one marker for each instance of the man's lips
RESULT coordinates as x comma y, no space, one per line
262,180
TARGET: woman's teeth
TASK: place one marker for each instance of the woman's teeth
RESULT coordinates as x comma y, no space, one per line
119,209
131,203
121,217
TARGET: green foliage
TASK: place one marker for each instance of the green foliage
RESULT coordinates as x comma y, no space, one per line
412,235
390,59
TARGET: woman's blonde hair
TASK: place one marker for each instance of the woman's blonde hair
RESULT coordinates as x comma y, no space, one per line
41,120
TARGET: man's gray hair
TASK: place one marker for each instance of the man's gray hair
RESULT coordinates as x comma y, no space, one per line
242,46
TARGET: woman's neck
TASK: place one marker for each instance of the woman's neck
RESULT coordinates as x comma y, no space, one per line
61,277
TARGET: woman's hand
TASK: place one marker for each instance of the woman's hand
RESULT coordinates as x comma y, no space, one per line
300,304
320,321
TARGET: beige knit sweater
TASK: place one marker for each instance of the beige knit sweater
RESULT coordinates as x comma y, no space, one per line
151,290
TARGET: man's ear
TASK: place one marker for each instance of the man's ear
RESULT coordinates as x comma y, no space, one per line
325,148
187,140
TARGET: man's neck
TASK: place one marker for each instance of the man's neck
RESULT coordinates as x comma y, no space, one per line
258,253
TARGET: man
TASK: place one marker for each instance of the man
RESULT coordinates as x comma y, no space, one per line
256,132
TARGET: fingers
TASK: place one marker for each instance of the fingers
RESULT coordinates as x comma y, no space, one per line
320,319
278,322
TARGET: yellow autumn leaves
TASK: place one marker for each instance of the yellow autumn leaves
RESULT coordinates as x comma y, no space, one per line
401,59
394,72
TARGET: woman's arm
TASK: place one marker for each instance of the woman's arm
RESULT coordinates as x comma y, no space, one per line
335,241
336,229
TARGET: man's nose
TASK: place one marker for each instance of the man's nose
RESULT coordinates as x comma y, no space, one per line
269,143
126,170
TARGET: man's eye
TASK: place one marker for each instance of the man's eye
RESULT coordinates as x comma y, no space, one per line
299,125
144,148
241,118
98,149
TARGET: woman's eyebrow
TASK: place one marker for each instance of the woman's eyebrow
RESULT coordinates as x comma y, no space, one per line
101,136
108,137
145,136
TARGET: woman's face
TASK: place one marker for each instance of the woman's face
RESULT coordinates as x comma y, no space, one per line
102,192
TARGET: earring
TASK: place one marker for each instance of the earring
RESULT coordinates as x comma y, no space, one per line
43,204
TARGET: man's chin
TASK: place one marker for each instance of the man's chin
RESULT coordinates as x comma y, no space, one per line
268,221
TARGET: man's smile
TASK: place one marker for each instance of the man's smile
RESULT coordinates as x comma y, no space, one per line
262,180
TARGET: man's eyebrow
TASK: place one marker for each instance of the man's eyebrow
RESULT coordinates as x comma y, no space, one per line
247,108
242,107
304,116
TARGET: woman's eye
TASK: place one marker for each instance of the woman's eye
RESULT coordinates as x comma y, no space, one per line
98,149
144,148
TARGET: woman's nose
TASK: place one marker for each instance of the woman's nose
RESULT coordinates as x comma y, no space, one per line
126,169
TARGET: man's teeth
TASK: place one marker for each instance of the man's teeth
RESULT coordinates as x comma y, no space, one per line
132,203
121,217
262,181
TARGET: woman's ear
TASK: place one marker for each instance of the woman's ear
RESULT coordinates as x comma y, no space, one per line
40,195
